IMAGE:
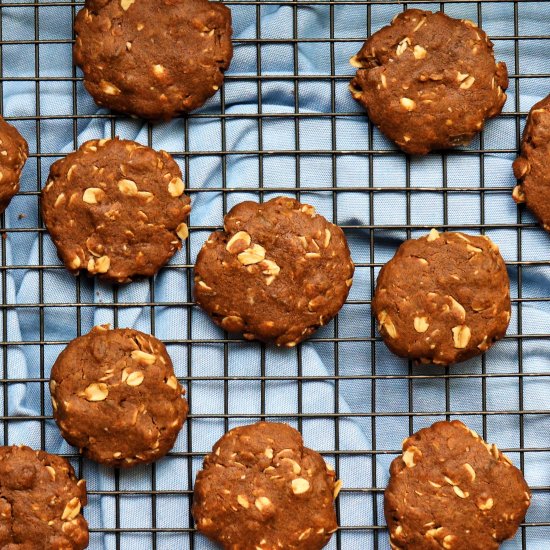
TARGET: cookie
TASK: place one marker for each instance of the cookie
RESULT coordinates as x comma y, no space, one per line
532,168
40,502
14,151
429,81
443,298
153,58
116,209
261,488
115,396
451,490
276,273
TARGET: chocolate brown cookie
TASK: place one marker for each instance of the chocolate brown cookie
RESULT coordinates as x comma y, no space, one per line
115,396
429,81
153,58
276,273
443,298
40,502
532,168
451,490
115,208
261,488
14,151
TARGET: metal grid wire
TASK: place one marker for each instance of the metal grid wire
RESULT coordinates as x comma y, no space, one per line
403,382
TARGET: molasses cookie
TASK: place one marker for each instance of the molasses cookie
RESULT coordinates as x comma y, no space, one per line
40,502
261,488
532,168
443,298
116,209
115,396
449,489
429,81
14,151
276,273
153,58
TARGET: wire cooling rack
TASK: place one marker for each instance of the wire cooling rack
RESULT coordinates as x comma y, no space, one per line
283,124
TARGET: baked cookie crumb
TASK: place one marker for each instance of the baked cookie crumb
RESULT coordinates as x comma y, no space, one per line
153,58
261,488
116,398
41,502
532,167
429,81
443,298
14,151
276,273
116,209
450,489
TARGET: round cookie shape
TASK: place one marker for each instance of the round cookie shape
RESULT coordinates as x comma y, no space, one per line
153,58
116,209
449,489
276,273
443,298
115,397
429,81
40,502
532,167
261,488
14,151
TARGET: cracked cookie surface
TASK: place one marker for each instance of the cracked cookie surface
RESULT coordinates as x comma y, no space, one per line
14,151
451,490
276,273
40,502
429,81
443,298
153,58
116,209
115,397
260,488
532,167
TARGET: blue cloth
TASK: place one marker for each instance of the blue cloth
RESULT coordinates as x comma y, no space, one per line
374,223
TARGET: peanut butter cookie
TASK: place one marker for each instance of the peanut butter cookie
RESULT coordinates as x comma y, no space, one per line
443,298
532,168
429,81
451,490
14,151
40,502
115,397
261,488
116,209
153,58
276,273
